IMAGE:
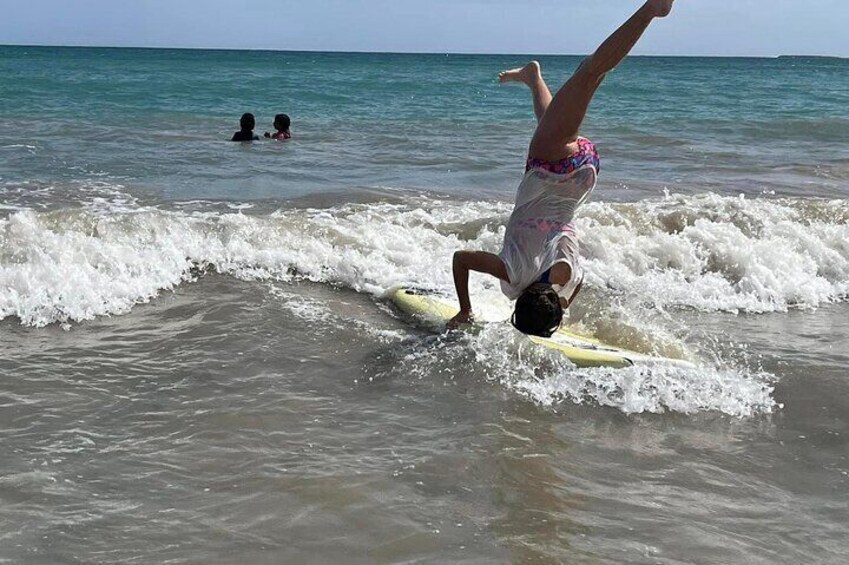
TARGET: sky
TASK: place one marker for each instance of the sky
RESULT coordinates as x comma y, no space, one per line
696,27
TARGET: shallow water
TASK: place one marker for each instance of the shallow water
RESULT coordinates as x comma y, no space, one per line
210,427
199,364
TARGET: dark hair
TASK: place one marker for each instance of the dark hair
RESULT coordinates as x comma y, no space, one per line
284,121
538,311
247,121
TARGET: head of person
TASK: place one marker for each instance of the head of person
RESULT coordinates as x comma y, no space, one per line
282,122
538,311
247,122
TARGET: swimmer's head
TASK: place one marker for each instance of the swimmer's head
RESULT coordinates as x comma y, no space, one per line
282,122
538,311
247,121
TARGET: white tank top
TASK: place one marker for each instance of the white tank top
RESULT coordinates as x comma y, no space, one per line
539,232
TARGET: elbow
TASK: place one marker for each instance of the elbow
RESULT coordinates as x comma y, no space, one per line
464,261
459,259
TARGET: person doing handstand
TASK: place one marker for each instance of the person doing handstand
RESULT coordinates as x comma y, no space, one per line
539,262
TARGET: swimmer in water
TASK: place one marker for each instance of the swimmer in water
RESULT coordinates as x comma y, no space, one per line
247,122
282,123
538,265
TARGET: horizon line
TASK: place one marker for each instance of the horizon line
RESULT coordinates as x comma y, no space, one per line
365,52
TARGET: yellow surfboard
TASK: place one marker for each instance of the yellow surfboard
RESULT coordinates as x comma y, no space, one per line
580,350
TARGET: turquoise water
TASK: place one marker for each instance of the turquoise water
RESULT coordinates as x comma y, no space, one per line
199,362
434,122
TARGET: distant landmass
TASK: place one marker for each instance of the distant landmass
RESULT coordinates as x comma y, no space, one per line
810,57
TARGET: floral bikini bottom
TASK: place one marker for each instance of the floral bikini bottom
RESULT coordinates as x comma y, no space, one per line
586,154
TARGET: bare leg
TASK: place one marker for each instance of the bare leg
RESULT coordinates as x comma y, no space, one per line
557,131
531,75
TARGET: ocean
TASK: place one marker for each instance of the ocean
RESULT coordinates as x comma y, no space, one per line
199,362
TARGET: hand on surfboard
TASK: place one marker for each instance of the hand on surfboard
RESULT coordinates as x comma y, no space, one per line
460,319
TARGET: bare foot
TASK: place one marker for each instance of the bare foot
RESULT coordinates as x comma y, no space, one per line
526,74
660,8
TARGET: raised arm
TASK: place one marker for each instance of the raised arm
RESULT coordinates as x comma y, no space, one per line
482,262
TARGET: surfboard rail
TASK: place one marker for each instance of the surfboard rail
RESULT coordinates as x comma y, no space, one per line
435,310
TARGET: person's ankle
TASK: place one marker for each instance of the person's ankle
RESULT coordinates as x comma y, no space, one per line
658,8
648,11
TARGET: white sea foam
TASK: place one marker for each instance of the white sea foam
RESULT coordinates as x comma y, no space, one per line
500,354
312,310
656,389
306,309
720,253
29,148
709,252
